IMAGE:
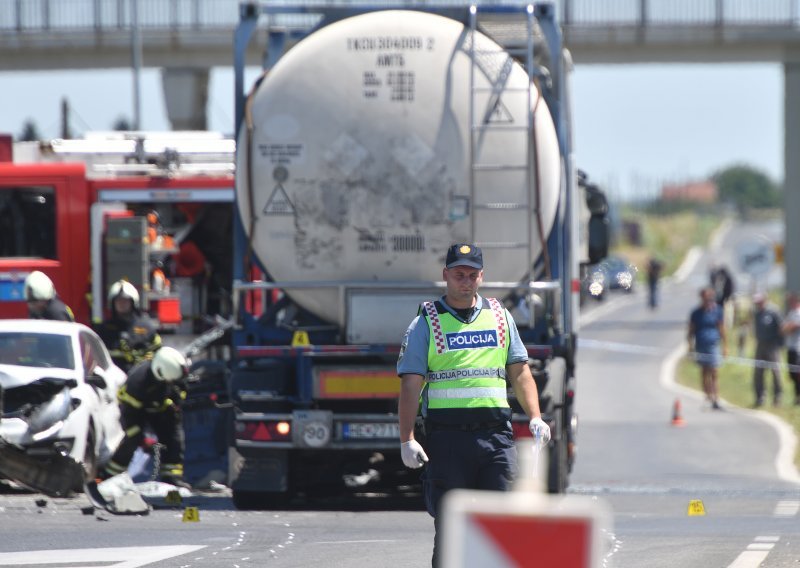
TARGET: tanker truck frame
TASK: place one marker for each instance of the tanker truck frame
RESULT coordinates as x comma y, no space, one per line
377,136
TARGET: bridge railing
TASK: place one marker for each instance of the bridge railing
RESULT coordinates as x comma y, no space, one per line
80,15
36,16
678,12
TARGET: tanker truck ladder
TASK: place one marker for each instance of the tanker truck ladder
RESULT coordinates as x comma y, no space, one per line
492,125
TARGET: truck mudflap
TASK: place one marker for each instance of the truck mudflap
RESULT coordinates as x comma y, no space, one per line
55,476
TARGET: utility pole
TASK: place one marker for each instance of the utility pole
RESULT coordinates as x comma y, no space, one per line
136,56
65,133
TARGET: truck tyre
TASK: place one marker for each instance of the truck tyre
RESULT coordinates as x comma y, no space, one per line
558,466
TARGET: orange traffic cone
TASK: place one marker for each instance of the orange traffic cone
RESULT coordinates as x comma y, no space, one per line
677,419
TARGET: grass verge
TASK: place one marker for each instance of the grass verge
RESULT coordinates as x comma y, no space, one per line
668,238
736,384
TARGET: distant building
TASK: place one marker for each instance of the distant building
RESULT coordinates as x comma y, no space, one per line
699,192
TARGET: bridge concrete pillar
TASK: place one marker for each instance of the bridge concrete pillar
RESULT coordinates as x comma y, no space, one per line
791,188
186,95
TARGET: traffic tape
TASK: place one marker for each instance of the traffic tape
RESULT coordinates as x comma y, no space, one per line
657,351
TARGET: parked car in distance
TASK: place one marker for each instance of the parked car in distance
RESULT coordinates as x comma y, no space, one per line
58,392
614,273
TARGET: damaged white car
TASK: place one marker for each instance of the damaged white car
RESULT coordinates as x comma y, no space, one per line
58,393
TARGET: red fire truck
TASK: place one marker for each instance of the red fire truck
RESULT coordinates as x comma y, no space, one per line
134,205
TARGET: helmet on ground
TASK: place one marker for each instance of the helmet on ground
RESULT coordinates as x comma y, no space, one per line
169,365
38,286
123,289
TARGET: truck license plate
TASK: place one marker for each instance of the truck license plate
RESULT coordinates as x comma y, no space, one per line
366,430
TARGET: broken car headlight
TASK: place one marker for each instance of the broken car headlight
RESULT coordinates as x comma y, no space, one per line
49,414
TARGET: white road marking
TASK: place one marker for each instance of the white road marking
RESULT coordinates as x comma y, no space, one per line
756,552
786,508
353,541
123,557
749,559
760,546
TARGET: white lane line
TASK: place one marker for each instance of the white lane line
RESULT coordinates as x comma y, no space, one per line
749,559
761,546
786,508
376,541
756,552
123,557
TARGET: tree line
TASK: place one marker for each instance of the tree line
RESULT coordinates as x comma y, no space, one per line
740,187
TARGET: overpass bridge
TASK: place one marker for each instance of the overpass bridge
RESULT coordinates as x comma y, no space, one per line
186,38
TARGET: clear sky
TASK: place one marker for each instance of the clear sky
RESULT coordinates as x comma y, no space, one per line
637,126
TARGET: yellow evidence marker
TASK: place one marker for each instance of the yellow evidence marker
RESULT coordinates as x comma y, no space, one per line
696,508
191,515
300,339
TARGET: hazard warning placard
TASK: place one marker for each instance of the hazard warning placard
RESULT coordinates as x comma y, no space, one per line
278,203
521,529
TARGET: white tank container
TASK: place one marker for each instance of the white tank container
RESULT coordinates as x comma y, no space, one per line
356,164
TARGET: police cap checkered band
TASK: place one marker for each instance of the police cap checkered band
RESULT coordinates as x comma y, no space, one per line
464,255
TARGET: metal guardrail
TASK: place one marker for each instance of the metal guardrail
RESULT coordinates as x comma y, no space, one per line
81,16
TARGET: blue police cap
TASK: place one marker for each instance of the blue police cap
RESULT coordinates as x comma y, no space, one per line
464,255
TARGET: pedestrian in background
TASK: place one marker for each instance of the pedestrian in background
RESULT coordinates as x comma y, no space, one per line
43,301
767,329
654,268
706,338
791,331
458,357
722,283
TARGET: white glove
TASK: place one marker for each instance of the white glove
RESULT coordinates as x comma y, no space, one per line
540,430
413,454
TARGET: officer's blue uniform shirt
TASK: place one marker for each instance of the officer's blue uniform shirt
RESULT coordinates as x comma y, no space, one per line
414,351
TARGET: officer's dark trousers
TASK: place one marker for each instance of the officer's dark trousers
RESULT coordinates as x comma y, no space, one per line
481,459
166,425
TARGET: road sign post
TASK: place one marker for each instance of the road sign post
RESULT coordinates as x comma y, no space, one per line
756,257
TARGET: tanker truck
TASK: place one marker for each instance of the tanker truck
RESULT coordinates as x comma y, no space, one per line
375,139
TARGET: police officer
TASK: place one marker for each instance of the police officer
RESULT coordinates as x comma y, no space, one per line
457,358
130,335
152,396
43,302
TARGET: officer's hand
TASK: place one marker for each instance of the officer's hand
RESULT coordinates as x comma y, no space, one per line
540,430
413,454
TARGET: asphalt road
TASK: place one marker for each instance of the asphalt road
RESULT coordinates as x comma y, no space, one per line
354,533
630,456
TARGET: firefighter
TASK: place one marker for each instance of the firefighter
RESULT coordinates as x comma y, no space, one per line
130,335
151,398
43,302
